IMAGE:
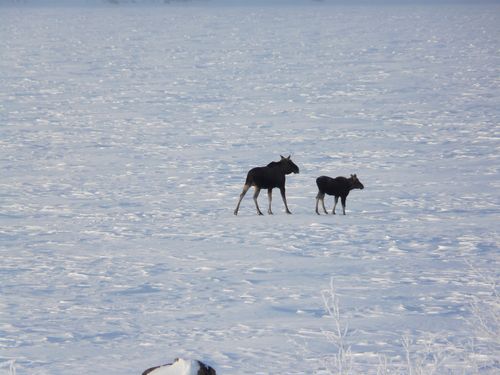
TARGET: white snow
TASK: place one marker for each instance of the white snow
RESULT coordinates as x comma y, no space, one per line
179,367
125,138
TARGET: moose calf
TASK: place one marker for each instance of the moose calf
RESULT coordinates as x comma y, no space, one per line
339,187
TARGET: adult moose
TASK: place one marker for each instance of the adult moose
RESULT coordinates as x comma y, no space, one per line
268,177
339,187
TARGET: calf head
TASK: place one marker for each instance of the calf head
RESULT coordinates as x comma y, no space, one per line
288,165
355,183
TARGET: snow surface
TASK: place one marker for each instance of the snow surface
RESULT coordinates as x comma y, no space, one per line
125,138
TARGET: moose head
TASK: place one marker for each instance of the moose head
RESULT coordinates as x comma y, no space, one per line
288,165
355,183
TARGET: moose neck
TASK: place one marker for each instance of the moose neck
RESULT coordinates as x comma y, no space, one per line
351,184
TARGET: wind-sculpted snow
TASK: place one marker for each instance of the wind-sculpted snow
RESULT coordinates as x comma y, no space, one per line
125,138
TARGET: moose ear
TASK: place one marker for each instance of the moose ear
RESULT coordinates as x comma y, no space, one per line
289,156
282,157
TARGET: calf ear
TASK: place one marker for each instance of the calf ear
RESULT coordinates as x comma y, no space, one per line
289,156
282,157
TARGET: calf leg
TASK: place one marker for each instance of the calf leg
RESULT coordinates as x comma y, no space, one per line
323,204
245,189
335,205
255,196
270,196
320,197
282,190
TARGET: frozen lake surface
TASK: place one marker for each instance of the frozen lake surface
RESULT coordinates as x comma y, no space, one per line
125,137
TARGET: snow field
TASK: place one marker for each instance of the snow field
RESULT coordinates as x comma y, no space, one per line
126,135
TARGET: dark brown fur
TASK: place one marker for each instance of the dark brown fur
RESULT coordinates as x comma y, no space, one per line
339,187
268,177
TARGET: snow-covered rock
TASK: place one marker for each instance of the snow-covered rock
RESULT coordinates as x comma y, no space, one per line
181,367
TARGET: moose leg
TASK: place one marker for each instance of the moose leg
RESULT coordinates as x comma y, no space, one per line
335,205
282,190
255,196
323,204
343,204
320,196
245,189
270,196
